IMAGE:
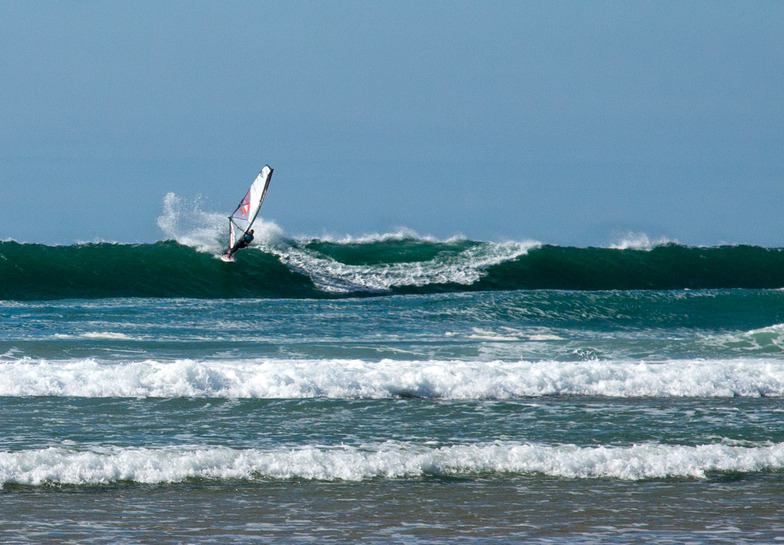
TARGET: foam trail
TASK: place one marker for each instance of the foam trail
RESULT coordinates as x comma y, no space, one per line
390,460
336,378
465,268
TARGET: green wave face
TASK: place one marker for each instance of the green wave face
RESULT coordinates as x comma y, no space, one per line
322,269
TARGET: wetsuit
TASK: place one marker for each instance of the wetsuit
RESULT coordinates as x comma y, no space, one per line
243,242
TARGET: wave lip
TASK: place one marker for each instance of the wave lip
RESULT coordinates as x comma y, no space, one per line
640,241
390,460
358,379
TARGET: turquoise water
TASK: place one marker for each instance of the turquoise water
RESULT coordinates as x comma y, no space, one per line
381,265
447,414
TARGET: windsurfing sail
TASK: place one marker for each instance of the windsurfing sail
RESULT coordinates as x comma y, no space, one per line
243,217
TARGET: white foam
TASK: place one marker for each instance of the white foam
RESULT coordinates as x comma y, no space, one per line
507,334
390,460
768,340
440,379
640,241
110,335
465,268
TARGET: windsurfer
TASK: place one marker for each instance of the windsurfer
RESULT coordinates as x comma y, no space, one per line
244,242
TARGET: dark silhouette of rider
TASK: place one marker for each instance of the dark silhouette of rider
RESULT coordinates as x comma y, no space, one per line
244,242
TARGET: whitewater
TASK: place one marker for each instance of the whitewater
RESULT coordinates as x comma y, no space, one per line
357,379
389,460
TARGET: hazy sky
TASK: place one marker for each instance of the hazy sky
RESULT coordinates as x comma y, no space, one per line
565,122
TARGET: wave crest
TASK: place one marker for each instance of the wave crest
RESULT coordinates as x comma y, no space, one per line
389,460
284,378
640,241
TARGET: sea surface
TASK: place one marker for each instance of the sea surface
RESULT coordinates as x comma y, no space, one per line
391,389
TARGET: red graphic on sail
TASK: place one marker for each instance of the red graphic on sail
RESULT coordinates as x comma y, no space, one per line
245,204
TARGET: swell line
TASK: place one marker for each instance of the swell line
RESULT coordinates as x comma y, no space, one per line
405,264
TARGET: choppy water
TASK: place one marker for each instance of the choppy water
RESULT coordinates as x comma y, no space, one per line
550,416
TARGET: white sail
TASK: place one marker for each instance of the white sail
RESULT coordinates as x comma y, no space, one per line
243,217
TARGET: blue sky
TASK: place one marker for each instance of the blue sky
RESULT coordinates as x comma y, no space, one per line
565,122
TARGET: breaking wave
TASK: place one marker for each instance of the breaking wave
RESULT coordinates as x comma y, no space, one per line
317,268
186,264
64,465
360,379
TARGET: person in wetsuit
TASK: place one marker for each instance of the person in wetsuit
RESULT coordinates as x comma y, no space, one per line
244,242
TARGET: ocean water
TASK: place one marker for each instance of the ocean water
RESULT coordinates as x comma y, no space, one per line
391,389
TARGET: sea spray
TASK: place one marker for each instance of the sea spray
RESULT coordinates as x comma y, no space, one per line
184,221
